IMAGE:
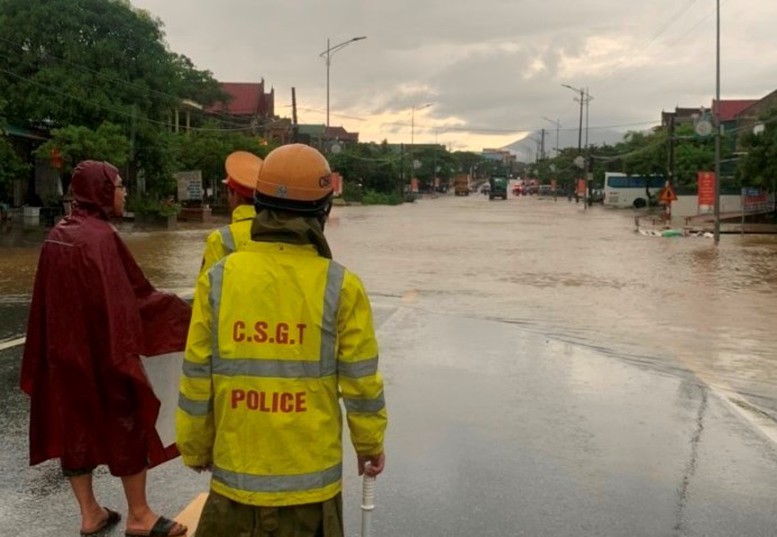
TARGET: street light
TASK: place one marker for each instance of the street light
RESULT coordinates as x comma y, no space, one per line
412,121
581,99
327,55
716,122
584,98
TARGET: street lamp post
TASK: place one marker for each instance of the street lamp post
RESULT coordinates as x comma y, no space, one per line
327,55
412,120
581,91
716,122
581,99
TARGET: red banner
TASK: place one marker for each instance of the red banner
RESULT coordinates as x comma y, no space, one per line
337,184
706,192
581,187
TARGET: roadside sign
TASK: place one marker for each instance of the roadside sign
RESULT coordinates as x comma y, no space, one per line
706,192
667,194
189,185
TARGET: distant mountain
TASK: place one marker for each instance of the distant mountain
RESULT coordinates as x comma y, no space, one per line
526,150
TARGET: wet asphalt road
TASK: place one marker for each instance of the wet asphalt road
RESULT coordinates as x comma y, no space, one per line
494,431
497,428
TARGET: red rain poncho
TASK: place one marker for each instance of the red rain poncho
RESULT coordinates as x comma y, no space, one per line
93,313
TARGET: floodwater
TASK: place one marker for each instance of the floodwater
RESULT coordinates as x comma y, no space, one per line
574,275
548,372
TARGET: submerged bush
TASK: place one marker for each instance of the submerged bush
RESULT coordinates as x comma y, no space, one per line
379,198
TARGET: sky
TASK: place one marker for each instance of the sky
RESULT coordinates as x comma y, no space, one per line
490,71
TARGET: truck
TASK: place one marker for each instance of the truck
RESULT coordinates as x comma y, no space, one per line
461,184
498,187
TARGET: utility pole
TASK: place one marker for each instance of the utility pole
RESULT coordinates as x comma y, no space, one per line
327,55
581,100
557,123
294,126
542,145
588,164
671,148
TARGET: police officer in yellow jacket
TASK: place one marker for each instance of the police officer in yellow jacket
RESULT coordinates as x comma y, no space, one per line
242,169
279,334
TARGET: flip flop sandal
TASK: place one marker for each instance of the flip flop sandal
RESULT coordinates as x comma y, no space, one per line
162,528
112,520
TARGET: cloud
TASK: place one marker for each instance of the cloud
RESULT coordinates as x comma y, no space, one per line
493,68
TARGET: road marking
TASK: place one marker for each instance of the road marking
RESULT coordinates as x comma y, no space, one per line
190,516
9,343
758,419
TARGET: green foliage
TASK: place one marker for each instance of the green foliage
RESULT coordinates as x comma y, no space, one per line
11,165
758,167
374,166
352,192
206,150
81,143
153,205
93,62
380,198
466,160
435,161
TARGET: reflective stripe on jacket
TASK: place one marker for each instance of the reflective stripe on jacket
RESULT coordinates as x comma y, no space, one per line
278,333
229,238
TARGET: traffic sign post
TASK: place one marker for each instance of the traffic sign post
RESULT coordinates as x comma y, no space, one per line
667,196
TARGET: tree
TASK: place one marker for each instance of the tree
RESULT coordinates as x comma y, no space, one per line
207,149
75,144
93,61
758,167
466,160
11,165
374,167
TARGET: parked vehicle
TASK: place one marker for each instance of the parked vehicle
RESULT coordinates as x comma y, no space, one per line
497,188
621,190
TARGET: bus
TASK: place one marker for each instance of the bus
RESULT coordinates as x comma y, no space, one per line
621,190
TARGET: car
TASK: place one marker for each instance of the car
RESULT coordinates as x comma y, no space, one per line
596,196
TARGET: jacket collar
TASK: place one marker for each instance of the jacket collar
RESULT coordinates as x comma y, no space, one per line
243,212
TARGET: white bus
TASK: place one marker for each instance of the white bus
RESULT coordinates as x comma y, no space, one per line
621,190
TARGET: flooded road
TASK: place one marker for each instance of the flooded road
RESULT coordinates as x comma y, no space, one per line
548,372
580,276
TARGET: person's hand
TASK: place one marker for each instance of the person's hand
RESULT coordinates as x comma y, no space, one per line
203,468
371,465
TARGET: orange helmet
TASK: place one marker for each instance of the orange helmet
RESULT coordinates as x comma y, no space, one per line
294,177
242,170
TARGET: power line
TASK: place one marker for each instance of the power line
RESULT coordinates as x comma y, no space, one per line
107,77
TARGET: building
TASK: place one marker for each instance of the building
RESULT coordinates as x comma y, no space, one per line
248,102
749,117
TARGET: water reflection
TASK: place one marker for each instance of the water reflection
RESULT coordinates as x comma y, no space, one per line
584,277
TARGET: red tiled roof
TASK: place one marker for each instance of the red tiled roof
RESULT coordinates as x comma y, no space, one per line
339,133
729,109
246,98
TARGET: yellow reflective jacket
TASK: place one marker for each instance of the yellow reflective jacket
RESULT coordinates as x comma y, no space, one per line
278,334
229,238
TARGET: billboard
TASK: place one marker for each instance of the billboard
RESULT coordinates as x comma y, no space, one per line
189,185
706,192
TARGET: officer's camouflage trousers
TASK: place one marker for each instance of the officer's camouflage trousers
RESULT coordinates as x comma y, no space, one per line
222,517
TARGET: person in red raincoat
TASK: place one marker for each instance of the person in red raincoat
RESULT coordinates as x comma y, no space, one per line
93,314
